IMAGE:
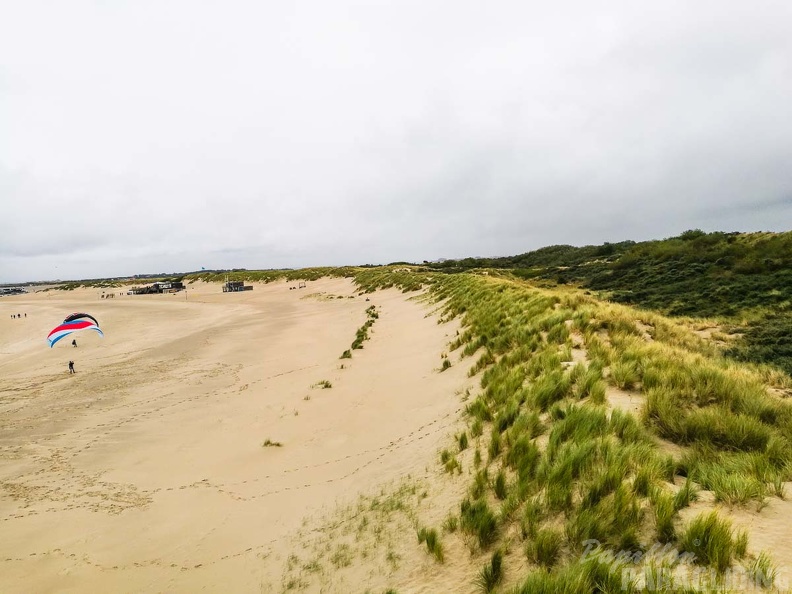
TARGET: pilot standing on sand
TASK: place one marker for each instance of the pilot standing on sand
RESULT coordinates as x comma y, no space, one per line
71,367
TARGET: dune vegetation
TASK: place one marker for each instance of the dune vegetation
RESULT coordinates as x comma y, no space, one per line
559,465
741,279
554,459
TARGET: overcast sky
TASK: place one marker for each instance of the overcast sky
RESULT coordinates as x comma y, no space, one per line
148,136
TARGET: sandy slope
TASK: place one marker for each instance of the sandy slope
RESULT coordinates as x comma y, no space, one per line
145,471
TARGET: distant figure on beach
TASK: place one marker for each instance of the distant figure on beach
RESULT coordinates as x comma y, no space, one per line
25,314
71,367
74,342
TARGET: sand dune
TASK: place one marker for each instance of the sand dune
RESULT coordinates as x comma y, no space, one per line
145,471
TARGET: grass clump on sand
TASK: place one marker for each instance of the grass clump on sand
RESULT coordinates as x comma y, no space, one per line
711,539
491,574
432,540
545,548
450,462
462,441
478,520
324,385
762,571
268,443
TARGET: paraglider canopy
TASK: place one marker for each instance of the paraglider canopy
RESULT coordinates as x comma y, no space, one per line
73,323
79,316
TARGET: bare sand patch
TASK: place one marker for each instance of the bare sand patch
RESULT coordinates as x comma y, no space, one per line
145,471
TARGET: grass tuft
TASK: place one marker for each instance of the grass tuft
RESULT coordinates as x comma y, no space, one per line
433,544
711,540
545,548
491,574
477,519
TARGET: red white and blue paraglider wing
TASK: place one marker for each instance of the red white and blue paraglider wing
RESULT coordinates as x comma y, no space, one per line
70,326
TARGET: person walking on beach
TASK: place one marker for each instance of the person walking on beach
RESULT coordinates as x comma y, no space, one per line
71,367
74,342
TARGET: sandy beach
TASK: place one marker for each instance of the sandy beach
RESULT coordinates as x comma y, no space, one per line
146,471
